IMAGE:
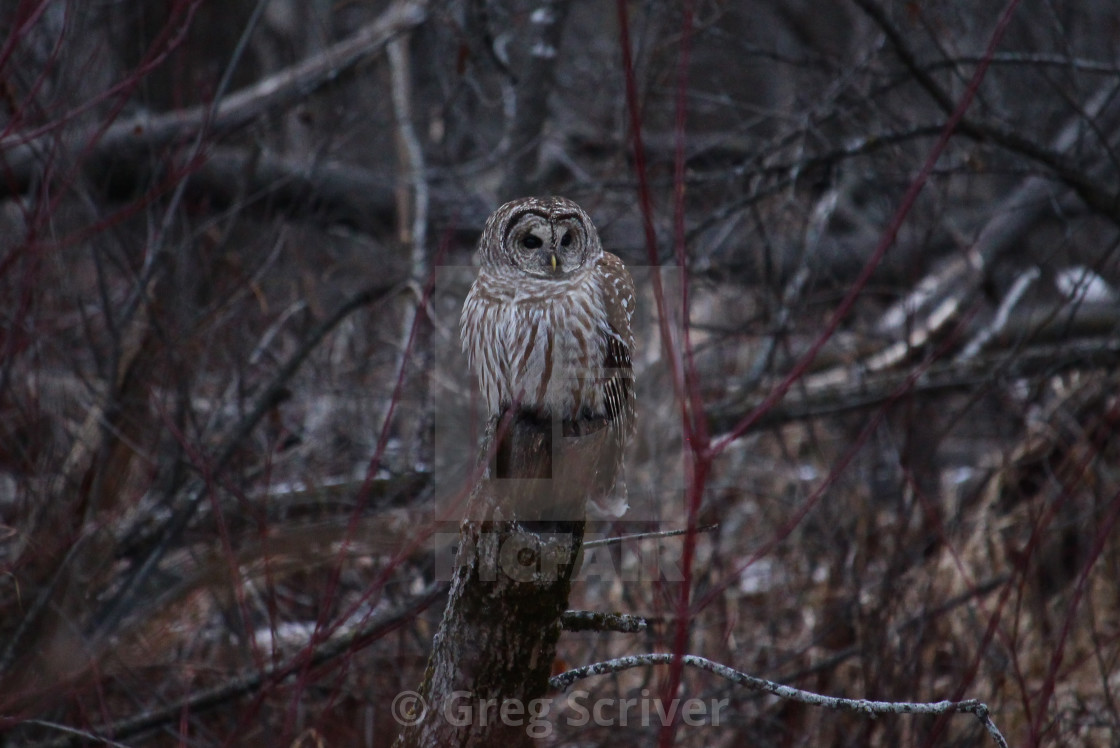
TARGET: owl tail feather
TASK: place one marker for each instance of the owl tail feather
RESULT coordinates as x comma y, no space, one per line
611,506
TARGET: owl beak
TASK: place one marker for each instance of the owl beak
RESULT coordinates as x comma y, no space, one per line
552,259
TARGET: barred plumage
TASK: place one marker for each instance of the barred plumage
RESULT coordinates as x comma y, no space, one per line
547,323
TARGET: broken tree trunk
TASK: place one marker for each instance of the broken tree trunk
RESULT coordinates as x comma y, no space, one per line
519,546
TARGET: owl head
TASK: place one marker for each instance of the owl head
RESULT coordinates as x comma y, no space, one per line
544,237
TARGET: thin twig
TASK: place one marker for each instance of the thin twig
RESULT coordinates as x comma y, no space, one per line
630,538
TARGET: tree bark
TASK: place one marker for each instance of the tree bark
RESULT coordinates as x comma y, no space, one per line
518,549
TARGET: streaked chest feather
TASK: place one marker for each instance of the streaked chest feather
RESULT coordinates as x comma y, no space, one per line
543,345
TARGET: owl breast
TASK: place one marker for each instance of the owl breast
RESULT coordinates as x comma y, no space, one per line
542,346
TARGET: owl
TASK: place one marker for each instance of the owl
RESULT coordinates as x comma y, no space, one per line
547,331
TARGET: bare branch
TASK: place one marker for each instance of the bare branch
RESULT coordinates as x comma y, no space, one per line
413,212
118,606
835,392
322,192
136,136
860,706
590,620
1098,193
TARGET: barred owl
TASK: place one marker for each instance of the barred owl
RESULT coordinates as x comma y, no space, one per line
546,328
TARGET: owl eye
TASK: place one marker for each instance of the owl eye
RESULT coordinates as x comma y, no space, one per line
566,240
531,241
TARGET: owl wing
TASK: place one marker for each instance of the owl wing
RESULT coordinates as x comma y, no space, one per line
609,499
618,299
